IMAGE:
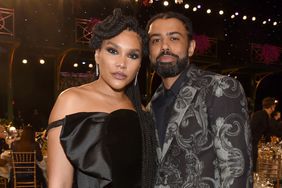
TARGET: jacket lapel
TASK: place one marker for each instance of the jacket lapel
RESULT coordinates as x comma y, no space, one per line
180,106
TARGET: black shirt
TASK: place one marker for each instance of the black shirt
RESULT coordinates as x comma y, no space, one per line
163,105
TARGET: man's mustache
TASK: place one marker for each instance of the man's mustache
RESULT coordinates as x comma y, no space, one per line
163,53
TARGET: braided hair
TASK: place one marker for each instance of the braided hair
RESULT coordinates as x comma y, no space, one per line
111,27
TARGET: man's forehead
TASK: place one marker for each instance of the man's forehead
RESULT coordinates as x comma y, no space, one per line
167,26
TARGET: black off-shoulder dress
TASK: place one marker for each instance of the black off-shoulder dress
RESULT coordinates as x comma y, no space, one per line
105,149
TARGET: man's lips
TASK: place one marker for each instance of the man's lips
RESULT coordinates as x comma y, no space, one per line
166,58
119,75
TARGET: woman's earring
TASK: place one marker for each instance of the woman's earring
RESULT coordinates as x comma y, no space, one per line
97,70
136,79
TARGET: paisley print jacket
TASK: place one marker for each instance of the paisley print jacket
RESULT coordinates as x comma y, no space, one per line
207,142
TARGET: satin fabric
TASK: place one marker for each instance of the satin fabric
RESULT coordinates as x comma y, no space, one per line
105,149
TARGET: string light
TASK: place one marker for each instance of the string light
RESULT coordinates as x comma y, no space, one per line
220,12
166,3
186,6
178,1
24,61
41,61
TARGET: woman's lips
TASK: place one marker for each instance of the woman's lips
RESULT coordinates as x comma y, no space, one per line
119,75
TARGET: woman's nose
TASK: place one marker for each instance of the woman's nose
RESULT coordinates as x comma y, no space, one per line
122,62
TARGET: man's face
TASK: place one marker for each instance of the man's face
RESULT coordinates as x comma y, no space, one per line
169,46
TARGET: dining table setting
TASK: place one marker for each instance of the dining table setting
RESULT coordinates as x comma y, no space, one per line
11,134
269,167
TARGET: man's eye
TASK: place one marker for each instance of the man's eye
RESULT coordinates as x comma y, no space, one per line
153,41
112,50
174,38
134,56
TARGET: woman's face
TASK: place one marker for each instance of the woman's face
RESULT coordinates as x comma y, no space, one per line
119,59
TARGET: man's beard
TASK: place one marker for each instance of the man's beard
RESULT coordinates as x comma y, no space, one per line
170,69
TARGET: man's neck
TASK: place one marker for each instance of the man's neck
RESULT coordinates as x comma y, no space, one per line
168,82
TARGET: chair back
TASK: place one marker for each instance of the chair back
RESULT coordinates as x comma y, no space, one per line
3,182
24,169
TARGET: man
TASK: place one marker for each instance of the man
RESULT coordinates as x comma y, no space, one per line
201,117
260,125
275,126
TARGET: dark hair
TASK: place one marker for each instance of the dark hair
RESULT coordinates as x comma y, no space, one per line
109,28
268,102
113,25
149,142
166,15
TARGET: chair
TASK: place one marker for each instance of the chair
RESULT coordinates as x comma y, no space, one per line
3,182
24,169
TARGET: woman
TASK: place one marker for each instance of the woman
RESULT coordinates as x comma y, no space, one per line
98,134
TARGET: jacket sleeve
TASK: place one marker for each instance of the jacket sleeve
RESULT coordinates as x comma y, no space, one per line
229,120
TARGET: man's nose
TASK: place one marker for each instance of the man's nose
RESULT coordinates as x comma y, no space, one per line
165,46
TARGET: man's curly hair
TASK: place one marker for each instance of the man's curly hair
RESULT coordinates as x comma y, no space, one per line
113,25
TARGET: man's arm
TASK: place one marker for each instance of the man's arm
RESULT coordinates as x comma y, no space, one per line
228,115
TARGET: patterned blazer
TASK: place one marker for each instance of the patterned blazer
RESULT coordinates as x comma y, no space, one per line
207,142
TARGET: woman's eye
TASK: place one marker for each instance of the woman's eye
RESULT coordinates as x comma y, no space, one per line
112,50
134,56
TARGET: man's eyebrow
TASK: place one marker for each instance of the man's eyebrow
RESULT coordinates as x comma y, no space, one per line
154,35
168,34
173,33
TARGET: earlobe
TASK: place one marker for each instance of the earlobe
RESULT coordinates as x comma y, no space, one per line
192,47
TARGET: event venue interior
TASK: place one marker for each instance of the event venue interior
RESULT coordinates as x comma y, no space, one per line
44,49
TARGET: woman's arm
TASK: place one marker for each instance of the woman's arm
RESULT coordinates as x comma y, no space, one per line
59,169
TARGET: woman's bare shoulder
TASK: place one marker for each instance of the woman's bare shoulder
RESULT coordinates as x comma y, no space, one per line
68,102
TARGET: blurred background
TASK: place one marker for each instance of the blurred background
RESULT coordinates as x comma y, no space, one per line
44,47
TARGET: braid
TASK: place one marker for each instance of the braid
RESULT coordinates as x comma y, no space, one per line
113,25
149,155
